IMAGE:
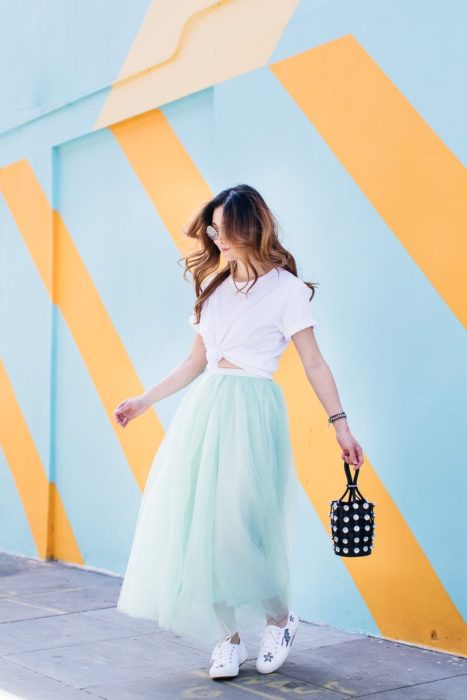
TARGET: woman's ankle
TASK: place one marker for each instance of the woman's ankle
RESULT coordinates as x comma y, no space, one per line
235,638
281,622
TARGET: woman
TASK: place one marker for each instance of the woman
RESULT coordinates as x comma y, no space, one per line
211,538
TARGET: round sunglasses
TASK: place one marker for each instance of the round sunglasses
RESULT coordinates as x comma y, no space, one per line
212,232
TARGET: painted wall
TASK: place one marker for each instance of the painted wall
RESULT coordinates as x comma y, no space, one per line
349,117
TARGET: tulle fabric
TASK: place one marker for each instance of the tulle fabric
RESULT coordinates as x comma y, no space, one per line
211,544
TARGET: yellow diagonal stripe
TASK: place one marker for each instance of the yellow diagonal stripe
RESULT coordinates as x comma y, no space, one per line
170,177
63,543
41,501
397,581
409,175
73,290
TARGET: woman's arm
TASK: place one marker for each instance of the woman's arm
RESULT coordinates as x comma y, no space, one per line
183,374
321,379
190,368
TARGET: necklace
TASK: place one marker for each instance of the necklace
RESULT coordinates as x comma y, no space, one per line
252,278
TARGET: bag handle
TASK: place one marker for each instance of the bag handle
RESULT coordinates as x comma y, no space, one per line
352,487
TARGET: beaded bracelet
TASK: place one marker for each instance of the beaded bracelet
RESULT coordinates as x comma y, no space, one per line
336,416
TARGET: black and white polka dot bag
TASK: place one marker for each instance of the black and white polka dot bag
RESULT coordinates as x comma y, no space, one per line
352,521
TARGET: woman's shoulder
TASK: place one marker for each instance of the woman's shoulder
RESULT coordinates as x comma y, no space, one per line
289,280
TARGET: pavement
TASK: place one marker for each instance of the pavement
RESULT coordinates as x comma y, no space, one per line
62,638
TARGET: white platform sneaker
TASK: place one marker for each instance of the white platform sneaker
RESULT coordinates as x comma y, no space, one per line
227,657
275,645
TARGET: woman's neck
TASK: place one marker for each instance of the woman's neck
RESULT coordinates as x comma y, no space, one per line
242,273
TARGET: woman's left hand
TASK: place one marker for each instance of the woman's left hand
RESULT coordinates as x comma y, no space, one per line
351,451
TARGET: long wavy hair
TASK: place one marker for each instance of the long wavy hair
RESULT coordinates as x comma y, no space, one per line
248,223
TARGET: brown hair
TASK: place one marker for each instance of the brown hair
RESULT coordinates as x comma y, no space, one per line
248,223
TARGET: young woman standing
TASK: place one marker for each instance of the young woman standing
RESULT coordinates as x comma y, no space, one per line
211,534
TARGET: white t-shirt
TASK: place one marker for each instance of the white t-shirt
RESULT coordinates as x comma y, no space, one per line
253,330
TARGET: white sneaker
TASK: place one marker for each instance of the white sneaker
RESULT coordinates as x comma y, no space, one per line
275,645
227,657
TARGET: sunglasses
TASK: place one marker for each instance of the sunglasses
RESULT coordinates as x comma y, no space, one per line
212,232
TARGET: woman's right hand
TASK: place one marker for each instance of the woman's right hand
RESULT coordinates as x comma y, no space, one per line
129,409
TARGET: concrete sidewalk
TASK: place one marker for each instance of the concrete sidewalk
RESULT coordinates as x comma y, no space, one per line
62,638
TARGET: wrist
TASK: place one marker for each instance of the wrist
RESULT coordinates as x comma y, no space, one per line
341,425
339,421
145,400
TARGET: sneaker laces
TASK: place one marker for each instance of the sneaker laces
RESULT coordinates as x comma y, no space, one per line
270,637
222,652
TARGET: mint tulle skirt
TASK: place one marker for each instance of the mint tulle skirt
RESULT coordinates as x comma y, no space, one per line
211,545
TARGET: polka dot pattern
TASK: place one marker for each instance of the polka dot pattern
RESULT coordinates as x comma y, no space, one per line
352,525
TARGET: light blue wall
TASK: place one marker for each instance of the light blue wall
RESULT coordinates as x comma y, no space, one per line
396,349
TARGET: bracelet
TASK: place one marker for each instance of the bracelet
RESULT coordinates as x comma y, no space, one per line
335,417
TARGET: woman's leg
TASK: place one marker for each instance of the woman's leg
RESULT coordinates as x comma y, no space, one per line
226,616
225,613
277,612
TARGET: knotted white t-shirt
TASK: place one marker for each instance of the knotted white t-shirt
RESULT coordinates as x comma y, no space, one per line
252,330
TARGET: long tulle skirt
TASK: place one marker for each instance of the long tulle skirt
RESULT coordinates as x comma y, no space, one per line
211,544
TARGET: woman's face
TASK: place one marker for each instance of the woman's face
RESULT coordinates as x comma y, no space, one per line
229,251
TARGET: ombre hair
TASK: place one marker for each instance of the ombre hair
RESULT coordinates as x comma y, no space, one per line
247,223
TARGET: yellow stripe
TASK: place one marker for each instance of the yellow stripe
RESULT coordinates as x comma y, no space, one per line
32,213
73,291
63,544
41,501
397,582
165,170
409,175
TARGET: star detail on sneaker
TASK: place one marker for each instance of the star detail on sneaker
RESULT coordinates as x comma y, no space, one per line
275,644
